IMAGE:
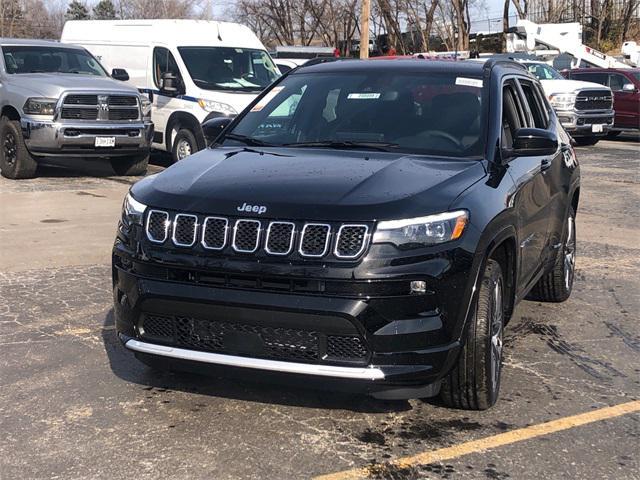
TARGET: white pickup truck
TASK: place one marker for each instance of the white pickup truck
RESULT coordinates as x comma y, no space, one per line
57,101
585,109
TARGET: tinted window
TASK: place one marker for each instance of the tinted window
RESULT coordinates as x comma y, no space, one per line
163,62
512,118
600,78
218,68
617,82
31,59
535,107
426,113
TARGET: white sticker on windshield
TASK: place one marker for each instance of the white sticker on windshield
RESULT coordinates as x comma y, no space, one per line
264,101
469,82
363,96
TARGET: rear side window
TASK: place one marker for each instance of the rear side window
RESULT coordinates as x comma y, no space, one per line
536,107
600,78
163,62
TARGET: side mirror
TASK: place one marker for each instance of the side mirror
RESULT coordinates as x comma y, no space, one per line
119,74
532,142
213,127
629,87
170,84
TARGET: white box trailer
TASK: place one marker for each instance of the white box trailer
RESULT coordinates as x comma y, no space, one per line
192,70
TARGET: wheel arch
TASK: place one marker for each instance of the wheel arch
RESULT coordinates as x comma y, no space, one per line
179,120
10,112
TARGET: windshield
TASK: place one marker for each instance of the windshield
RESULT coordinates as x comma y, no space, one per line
223,68
422,113
543,72
34,59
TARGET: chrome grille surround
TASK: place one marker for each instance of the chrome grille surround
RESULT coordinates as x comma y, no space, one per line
267,245
361,231
303,237
205,229
157,216
99,106
282,238
238,229
179,224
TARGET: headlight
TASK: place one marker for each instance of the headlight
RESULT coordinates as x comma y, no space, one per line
563,101
422,231
211,106
145,105
40,106
132,211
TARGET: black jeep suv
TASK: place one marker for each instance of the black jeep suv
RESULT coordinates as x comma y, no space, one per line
367,225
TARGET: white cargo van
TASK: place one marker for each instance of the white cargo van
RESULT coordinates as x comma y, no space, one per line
192,70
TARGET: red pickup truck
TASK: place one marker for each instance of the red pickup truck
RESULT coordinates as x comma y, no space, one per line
625,84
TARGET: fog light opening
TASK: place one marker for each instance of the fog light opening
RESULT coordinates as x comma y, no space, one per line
418,286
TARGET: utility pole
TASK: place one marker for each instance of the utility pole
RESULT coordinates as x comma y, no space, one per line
364,28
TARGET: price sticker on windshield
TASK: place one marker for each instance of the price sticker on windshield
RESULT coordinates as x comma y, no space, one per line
469,82
264,101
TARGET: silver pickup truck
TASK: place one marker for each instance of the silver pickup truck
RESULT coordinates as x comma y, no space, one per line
57,101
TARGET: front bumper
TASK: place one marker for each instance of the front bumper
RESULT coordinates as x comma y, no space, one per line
52,138
411,340
581,123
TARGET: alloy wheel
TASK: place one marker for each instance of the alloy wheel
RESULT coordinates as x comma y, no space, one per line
570,253
497,320
184,149
10,148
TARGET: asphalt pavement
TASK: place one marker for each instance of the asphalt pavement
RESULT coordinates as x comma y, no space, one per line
74,404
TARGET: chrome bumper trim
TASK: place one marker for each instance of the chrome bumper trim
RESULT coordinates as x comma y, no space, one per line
355,373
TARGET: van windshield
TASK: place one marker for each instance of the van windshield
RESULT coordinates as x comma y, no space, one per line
224,68
424,113
40,59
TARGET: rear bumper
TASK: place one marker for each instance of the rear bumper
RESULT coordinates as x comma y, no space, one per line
52,138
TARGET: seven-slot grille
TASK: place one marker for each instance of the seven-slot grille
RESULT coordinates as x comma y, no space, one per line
594,100
308,240
101,107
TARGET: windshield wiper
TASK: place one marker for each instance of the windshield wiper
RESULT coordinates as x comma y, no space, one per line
254,142
382,146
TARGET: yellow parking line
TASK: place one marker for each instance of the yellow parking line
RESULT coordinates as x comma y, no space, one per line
499,440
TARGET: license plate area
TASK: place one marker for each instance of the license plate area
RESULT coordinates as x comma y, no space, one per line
597,128
105,142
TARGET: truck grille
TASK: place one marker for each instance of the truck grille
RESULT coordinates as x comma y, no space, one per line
103,107
246,236
594,100
263,341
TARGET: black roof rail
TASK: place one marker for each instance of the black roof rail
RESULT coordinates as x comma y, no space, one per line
319,60
492,62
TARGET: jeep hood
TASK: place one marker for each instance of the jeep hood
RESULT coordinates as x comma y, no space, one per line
315,184
568,86
51,85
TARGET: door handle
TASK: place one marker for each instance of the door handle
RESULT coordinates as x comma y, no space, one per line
545,164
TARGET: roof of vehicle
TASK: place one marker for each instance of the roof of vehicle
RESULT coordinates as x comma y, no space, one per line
405,64
164,32
33,42
595,69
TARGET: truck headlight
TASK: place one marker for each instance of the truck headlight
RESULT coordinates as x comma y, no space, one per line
40,106
422,231
145,105
562,101
211,106
132,211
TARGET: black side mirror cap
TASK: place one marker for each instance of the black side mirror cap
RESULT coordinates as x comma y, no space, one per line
119,74
213,128
170,84
533,142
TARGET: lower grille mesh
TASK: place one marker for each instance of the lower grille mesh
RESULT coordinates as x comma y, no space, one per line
252,340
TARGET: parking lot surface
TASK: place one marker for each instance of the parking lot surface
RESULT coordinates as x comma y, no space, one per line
75,404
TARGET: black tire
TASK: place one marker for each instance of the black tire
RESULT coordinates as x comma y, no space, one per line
614,134
130,166
184,145
587,141
556,285
15,160
474,383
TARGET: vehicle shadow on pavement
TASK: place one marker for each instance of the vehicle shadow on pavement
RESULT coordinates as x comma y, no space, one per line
126,367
